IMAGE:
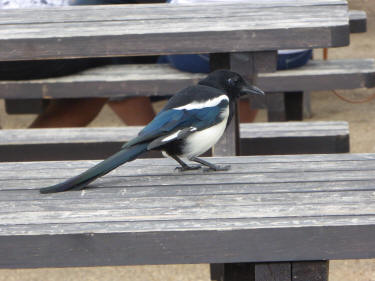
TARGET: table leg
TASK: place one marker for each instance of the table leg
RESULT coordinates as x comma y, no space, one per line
229,143
25,106
276,271
293,106
233,272
275,107
310,271
307,113
272,271
285,106
248,65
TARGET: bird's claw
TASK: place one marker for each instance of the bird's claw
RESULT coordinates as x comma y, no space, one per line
217,168
188,168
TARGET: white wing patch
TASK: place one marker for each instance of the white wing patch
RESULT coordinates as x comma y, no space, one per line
171,137
203,104
175,134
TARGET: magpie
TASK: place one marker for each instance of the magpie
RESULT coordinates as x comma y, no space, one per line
191,122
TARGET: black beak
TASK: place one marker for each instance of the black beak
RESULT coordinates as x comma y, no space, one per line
251,90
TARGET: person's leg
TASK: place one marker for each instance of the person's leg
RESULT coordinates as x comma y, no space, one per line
69,113
247,114
133,111
64,112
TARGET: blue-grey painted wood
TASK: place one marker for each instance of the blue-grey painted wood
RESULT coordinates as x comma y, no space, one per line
144,29
357,21
99,143
145,213
154,80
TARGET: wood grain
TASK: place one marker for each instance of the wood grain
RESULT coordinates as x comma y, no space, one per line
310,270
143,29
99,143
153,80
228,144
273,271
263,209
251,271
357,21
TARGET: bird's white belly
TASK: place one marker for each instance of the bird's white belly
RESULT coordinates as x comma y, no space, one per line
201,141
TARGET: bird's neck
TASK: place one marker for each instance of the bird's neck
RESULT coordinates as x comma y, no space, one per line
232,109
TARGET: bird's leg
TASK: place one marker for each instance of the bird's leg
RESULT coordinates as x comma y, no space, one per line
184,166
211,167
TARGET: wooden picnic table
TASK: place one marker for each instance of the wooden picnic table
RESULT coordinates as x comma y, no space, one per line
265,209
241,36
110,228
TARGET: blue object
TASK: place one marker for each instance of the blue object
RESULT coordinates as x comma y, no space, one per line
293,60
200,63
101,2
188,63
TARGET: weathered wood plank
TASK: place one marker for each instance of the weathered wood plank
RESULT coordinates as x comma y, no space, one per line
99,143
260,211
150,80
196,179
178,213
96,249
186,225
203,201
183,190
160,162
123,134
357,21
239,170
198,32
139,12
356,172
340,74
151,163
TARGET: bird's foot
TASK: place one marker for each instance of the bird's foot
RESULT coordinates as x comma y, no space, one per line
217,168
188,168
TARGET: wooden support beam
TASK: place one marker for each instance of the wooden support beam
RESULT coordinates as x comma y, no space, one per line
275,271
229,143
310,271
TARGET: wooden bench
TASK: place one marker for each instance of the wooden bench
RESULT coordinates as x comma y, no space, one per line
288,102
357,21
265,210
99,143
23,105
162,79
138,30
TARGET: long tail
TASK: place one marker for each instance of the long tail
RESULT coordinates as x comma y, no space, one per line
100,169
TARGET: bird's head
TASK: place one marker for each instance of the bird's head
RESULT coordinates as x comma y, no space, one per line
231,82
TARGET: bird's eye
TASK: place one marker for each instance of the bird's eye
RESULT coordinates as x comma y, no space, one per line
232,81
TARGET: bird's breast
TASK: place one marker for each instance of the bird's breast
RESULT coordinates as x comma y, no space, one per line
200,141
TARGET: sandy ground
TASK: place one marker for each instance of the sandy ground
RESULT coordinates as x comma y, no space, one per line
325,106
